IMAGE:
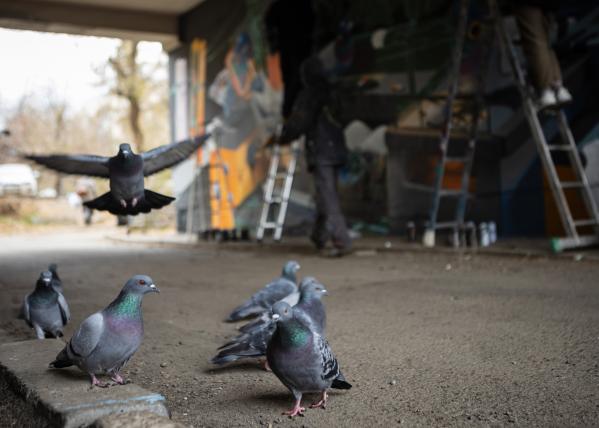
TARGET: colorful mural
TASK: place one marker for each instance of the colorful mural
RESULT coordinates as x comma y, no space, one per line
250,100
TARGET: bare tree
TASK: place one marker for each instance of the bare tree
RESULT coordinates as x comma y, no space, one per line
57,109
130,85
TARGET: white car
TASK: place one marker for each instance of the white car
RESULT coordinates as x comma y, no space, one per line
17,179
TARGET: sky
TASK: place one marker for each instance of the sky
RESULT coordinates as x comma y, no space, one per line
32,62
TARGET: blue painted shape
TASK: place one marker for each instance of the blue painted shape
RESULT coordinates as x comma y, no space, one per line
523,208
152,399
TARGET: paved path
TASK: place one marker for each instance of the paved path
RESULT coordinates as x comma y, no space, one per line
426,338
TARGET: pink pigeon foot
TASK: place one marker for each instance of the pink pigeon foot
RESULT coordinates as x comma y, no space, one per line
96,382
322,403
297,410
266,366
118,379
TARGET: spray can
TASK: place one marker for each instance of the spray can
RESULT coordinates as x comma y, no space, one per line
483,233
492,232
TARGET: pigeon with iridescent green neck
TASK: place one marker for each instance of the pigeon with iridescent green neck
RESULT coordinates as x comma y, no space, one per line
253,340
106,340
45,309
284,287
302,359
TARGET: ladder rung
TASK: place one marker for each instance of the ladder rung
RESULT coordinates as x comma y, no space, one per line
418,186
274,200
281,175
269,225
571,184
462,159
559,147
450,192
588,222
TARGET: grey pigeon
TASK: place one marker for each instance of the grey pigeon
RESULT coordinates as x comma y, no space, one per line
302,359
45,309
126,172
253,340
56,281
283,287
106,340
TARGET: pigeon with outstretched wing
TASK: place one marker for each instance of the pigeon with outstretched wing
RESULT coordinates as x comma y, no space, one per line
126,172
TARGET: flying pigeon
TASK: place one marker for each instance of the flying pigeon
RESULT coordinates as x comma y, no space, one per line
126,172
56,282
253,341
302,359
106,340
280,288
46,310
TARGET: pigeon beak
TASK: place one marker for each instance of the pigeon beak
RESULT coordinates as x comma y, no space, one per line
324,291
275,317
154,289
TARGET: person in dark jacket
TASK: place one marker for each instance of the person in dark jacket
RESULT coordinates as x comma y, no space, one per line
289,27
532,17
312,115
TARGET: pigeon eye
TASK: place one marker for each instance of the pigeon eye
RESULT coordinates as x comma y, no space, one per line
142,282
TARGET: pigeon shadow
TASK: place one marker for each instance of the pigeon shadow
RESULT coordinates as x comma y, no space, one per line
279,398
242,367
69,374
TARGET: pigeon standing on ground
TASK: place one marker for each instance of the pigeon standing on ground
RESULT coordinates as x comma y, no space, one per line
106,340
302,359
56,282
253,340
46,310
126,172
284,287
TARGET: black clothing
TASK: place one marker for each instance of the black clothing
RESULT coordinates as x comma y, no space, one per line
289,28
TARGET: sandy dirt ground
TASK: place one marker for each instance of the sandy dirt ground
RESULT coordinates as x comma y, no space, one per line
426,339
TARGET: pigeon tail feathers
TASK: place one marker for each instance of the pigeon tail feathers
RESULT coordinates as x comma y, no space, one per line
340,384
156,200
236,353
107,202
246,310
62,360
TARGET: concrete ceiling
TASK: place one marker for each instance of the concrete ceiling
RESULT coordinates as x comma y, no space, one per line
154,20
158,6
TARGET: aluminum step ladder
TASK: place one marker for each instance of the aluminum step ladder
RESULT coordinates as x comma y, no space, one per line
571,225
277,190
461,194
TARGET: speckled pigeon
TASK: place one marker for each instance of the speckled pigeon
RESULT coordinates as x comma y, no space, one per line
56,281
45,309
284,287
302,359
126,172
106,340
253,340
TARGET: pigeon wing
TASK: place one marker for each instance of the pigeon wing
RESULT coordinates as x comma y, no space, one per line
95,166
65,313
166,156
87,336
279,289
26,311
330,367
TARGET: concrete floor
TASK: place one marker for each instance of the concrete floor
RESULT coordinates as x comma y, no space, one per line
427,339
